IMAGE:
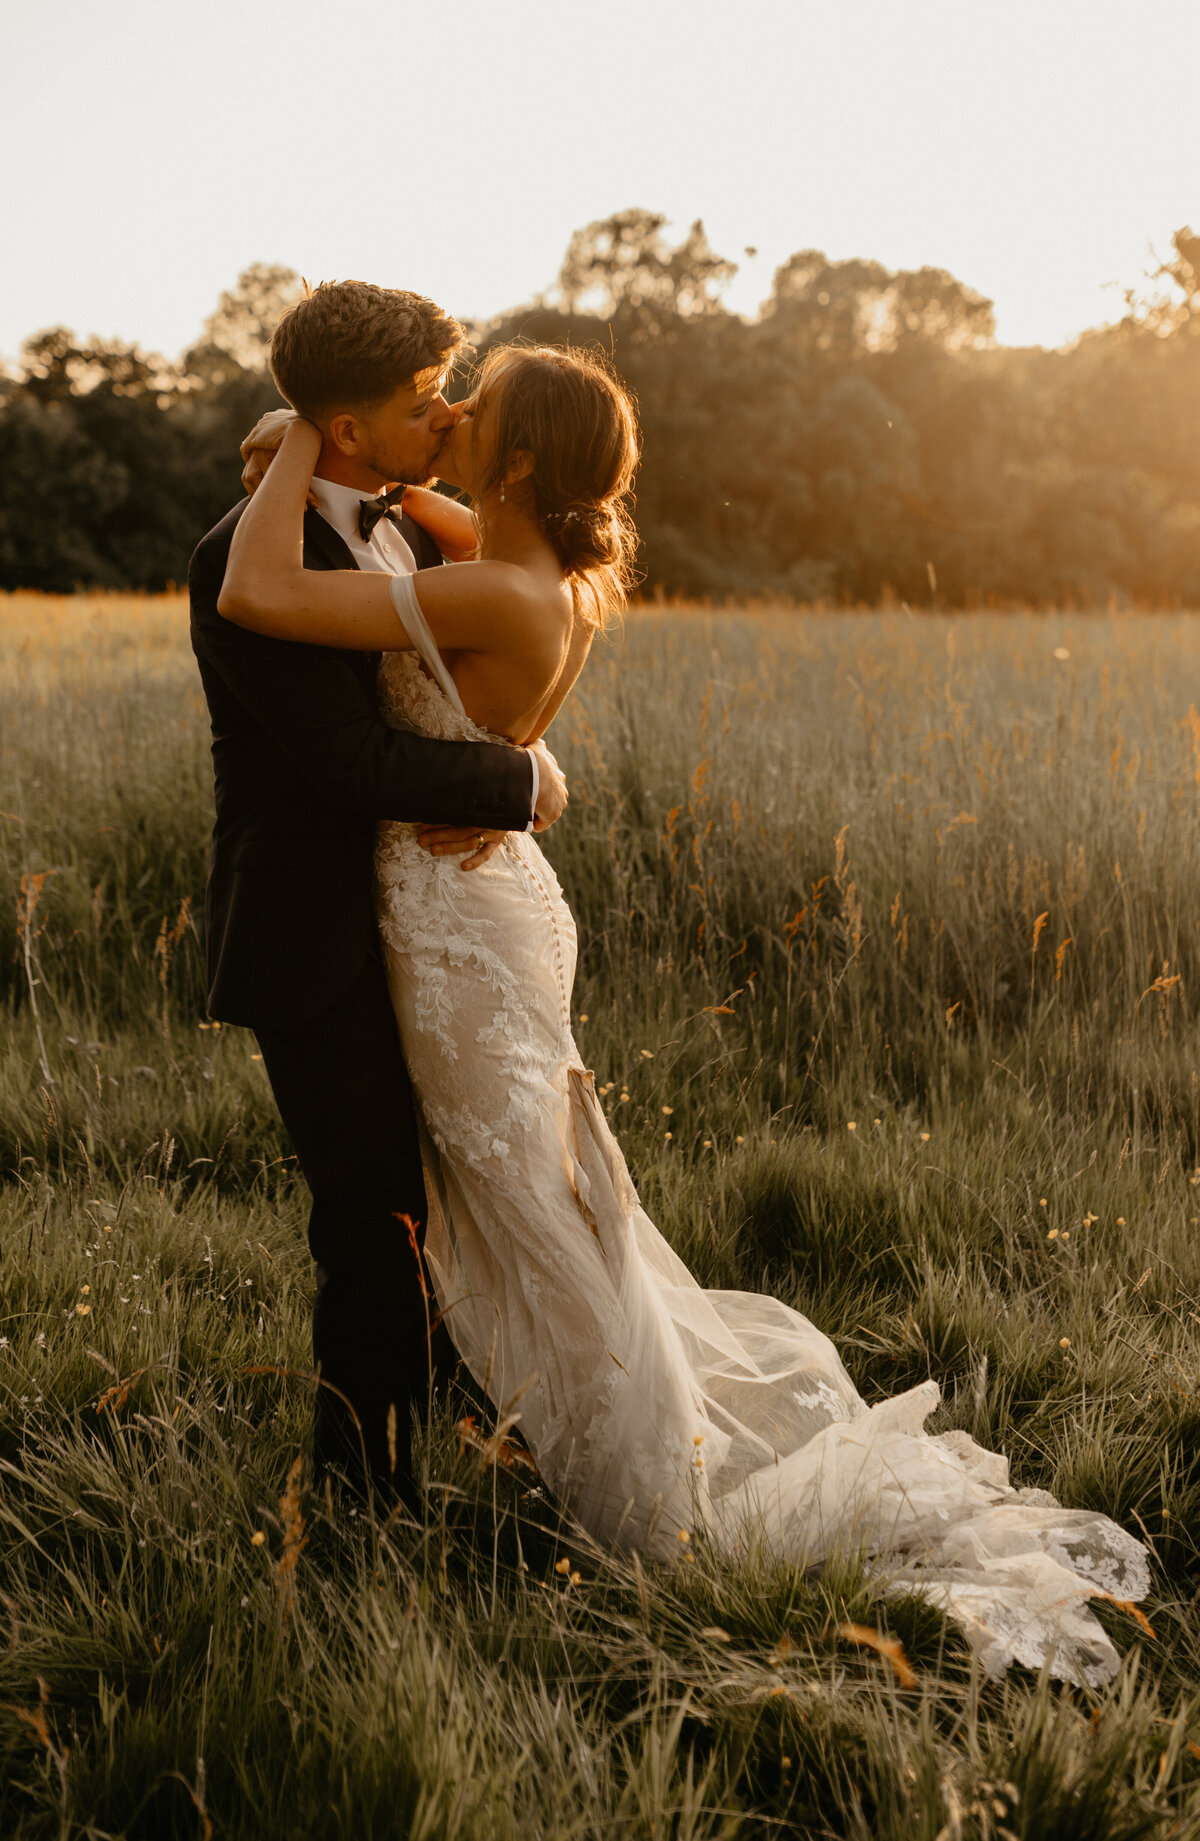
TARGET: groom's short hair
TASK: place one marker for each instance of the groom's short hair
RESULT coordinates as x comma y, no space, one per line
348,345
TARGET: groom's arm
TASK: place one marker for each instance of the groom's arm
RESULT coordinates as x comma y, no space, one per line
314,707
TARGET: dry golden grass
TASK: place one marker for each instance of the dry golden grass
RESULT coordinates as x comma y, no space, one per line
56,632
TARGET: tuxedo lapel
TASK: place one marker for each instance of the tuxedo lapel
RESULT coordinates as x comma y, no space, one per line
425,551
323,548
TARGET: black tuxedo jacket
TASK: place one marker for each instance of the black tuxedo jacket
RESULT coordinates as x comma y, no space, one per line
305,769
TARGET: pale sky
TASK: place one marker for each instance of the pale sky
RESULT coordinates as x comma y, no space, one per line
151,149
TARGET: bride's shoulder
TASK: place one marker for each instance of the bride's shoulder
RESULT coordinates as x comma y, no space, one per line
517,598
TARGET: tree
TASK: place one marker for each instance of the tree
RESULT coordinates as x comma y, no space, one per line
244,319
845,310
931,305
55,367
1165,313
113,462
622,268
56,486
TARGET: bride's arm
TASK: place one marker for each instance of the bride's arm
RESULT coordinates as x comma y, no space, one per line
451,525
479,607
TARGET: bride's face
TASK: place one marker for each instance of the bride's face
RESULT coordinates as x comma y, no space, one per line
468,449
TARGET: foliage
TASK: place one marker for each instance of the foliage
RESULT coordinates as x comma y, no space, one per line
896,915
114,463
861,437
624,265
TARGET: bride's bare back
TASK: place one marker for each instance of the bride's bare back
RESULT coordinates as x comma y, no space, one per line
518,695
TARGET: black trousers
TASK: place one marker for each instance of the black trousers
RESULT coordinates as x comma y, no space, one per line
344,1094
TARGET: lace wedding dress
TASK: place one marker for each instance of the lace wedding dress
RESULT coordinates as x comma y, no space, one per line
650,1405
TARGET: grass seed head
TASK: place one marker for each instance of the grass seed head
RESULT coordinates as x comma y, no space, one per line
294,1538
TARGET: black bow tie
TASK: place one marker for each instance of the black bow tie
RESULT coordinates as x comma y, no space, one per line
387,505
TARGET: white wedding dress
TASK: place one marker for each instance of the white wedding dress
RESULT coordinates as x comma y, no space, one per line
653,1407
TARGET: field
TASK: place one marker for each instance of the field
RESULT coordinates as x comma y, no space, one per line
890,969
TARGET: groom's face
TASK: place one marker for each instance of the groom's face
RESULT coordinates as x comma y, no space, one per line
400,438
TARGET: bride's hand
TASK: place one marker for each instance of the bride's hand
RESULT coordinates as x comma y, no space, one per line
261,445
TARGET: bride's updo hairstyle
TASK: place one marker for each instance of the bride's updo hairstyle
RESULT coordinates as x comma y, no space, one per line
575,419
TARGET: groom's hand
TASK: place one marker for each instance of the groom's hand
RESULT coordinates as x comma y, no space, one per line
474,846
477,847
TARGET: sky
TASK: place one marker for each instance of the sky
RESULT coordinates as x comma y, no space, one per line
1042,152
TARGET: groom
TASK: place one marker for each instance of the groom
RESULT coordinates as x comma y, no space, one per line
305,769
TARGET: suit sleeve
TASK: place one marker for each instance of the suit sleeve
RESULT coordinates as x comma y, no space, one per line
314,707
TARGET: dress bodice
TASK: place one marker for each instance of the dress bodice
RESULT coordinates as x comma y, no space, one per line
416,690
410,698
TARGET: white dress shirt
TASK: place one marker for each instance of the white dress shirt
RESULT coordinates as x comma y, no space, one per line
384,551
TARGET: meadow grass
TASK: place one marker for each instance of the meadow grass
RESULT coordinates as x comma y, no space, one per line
888,972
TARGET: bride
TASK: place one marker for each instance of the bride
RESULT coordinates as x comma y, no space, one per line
652,1407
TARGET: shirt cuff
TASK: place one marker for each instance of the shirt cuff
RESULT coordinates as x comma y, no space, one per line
537,781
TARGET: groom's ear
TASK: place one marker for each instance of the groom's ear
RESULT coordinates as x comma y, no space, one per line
344,431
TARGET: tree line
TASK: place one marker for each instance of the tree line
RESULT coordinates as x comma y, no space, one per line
862,435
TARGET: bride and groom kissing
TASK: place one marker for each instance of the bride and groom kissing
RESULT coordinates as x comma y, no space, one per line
381,916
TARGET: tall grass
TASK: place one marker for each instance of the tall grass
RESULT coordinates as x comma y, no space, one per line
888,968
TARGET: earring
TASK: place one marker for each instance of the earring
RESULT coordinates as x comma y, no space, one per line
502,492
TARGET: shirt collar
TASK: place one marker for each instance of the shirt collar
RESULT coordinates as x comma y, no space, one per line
338,505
